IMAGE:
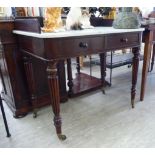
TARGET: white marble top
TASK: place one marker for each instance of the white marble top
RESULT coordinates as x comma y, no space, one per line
74,33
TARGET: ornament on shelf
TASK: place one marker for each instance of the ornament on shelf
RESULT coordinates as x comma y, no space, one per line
126,19
78,19
52,20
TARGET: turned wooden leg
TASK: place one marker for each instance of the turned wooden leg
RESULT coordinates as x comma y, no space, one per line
103,70
111,55
31,83
81,61
147,54
55,97
153,55
70,78
90,66
78,65
135,65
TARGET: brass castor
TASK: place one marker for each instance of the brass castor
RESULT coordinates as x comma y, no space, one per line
62,137
19,116
132,103
8,135
103,91
35,114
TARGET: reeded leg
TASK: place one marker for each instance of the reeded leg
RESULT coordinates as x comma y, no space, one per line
4,118
70,78
55,97
31,83
135,65
103,70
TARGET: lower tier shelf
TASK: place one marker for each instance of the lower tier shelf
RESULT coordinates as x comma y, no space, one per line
84,83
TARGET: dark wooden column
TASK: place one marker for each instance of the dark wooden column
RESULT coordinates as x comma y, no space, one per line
135,66
147,54
70,78
78,64
55,97
31,83
153,55
103,69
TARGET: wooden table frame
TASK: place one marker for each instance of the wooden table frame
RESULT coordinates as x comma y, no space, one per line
51,50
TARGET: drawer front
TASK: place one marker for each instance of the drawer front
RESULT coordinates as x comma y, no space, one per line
117,41
89,45
82,46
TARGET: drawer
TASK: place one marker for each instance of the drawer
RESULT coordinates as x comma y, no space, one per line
82,46
88,44
117,41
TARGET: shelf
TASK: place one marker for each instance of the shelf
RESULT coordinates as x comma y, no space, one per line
117,60
84,83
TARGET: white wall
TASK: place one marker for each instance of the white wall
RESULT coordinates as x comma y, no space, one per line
146,11
7,11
